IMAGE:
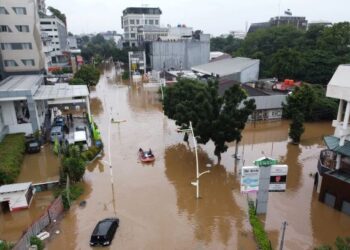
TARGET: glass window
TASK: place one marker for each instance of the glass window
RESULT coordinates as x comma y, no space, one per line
156,22
132,35
28,62
5,28
6,46
45,22
10,63
137,21
150,22
26,46
132,21
145,21
22,28
20,10
3,11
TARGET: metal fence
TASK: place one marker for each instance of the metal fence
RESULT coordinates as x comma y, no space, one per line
52,213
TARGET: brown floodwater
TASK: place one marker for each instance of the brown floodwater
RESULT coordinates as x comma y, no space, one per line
156,202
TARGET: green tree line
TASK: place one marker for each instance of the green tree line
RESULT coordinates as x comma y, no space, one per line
286,52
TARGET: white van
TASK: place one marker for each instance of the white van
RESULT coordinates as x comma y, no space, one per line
80,138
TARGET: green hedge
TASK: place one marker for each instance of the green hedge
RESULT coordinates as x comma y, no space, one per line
12,149
258,229
91,153
74,192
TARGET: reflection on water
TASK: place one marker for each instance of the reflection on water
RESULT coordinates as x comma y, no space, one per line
96,106
157,205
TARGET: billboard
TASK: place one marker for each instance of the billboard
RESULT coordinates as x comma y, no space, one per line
278,178
250,179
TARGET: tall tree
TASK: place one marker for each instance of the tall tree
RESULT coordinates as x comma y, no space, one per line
87,74
220,119
296,127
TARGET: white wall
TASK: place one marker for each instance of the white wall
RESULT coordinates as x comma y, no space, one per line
9,115
250,74
40,106
16,199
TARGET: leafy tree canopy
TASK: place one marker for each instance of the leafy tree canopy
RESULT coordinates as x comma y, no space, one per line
58,14
87,74
216,118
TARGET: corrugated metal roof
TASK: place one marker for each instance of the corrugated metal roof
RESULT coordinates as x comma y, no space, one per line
14,187
332,143
60,91
20,82
225,67
339,86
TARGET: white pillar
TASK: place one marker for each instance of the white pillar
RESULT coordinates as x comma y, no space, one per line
340,111
87,103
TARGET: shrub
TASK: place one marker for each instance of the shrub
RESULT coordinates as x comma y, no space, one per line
74,192
258,229
125,75
12,150
4,245
38,242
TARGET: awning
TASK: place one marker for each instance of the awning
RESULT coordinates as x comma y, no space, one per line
332,143
60,91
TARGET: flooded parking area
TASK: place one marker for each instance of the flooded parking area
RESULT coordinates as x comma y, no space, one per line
156,202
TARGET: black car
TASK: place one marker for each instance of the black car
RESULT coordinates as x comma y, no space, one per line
59,121
104,232
33,146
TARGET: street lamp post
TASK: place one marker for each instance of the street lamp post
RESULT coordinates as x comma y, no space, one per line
195,183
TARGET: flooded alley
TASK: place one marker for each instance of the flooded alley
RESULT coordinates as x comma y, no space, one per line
156,202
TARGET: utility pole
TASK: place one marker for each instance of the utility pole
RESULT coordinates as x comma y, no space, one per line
284,225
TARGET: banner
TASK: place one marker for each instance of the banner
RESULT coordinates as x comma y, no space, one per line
278,178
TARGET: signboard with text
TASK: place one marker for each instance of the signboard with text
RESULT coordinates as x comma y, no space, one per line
250,179
278,178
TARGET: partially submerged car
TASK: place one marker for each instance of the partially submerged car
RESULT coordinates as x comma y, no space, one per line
104,231
33,146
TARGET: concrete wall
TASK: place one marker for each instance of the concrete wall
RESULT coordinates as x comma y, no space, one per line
179,54
9,115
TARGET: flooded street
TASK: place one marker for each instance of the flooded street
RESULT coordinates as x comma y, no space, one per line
156,203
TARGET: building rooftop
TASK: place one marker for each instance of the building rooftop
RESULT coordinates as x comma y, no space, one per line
339,86
61,91
142,10
14,187
20,83
226,66
339,174
332,143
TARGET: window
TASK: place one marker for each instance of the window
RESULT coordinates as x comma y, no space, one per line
56,36
126,29
5,28
57,43
28,62
45,22
3,11
132,35
54,29
156,22
20,10
125,22
150,22
10,63
137,21
132,21
145,21
47,30
16,46
22,28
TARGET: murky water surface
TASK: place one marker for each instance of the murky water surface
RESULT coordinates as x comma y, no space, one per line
156,203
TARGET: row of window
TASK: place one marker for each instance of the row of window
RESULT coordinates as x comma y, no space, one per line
16,46
47,22
13,63
49,29
20,28
138,21
17,10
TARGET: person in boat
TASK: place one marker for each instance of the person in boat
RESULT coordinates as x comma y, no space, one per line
150,154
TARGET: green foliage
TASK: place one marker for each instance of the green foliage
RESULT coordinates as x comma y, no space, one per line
74,192
73,164
12,150
76,81
87,74
4,245
258,229
311,100
58,14
90,154
213,117
287,52
62,71
125,75
38,242
296,127
340,244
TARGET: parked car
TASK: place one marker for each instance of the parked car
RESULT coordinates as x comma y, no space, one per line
80,128
59,121
104,231
33,146
56,132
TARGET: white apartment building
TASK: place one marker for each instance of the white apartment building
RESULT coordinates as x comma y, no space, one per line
134,17
20,43
57,31
47,48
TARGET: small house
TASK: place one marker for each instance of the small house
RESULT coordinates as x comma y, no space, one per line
15,197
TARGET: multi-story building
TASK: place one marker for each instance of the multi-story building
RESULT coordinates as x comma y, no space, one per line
134,17
41,6
21,49
47,49
298,22
56,30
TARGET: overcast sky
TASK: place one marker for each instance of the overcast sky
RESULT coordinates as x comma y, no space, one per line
212,16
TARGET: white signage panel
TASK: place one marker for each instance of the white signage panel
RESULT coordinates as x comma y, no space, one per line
250,179
278,178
